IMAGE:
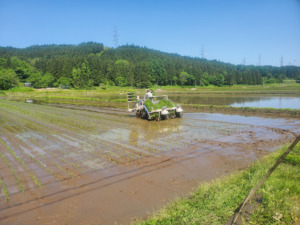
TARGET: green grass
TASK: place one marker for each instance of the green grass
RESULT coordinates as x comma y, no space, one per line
283,88
214,202
70,98
241,110
293,159
119,100
20,89
57,92
288,87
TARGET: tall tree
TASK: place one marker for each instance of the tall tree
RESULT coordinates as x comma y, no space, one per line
8,79
81,76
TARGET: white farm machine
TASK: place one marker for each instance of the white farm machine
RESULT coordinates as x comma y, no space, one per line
153,108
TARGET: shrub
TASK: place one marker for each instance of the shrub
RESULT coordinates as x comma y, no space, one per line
8,79
21,89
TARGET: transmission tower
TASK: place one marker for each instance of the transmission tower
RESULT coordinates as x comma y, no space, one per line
202,52
116,37
259,60
281,61
294,62
244,61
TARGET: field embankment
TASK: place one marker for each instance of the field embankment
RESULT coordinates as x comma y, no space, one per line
283,88
242,110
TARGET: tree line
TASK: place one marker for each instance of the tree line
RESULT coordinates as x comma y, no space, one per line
91,64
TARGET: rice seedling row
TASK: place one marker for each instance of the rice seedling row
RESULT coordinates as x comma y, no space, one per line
13,172
4,188
26,148
20,160
53,162
77,166
50,163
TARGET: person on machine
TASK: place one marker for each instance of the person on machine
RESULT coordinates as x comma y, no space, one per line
148,94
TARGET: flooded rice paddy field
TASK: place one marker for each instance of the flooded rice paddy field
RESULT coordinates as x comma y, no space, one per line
88,165
259,101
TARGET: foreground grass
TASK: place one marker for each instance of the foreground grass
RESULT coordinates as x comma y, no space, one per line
215,202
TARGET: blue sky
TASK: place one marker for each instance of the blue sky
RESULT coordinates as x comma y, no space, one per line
229,31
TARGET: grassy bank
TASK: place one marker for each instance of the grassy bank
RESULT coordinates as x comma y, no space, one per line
241,110
283,88
57,92
214,202
115,103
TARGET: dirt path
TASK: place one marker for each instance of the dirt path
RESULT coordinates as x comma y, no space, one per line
102,168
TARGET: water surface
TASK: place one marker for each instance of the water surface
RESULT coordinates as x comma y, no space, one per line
280,102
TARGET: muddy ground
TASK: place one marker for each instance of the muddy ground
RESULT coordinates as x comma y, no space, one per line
64,164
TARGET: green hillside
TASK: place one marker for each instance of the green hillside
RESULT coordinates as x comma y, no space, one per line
91,64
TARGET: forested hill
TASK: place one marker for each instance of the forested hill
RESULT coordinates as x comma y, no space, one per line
91,64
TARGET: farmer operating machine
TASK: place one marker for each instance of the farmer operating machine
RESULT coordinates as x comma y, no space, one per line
153,107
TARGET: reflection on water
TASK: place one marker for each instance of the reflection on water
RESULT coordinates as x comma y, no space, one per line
292,102
176,134
274,102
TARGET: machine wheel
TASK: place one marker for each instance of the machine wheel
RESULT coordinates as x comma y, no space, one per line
138,114
179,114
171,116
144,114
158,118
164,117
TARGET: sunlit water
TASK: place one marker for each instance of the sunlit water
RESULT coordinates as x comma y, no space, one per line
280,102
